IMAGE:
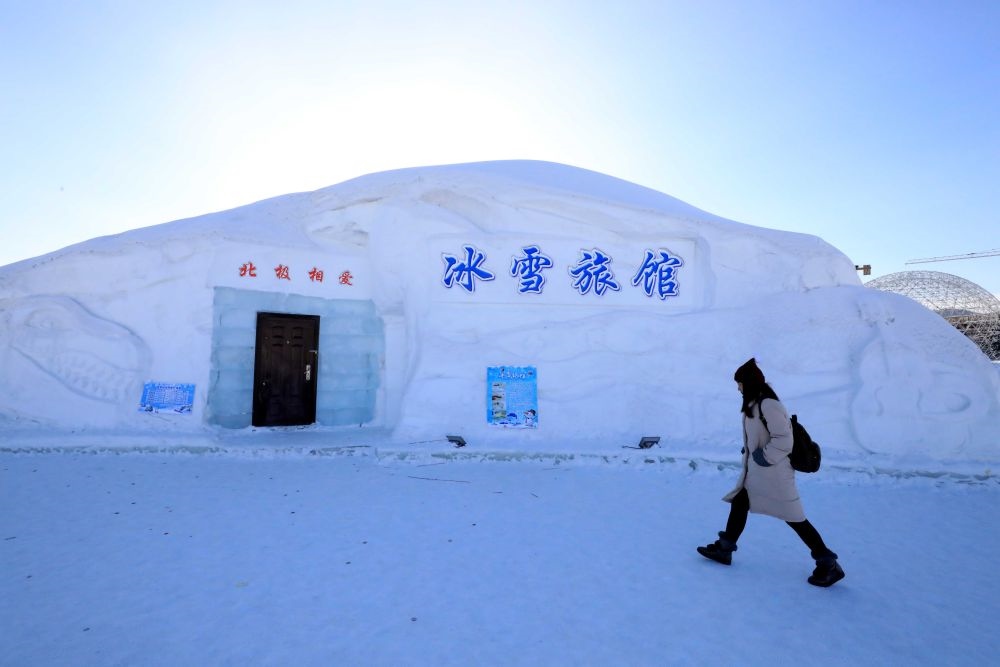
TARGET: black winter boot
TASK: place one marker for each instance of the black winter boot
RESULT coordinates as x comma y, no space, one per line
827,572
721,551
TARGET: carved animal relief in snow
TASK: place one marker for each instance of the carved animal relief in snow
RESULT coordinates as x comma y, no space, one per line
57,337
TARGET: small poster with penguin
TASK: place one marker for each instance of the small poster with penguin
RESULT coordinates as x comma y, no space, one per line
512,396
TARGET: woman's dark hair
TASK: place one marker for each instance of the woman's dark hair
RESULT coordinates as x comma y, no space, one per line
755,388
755,393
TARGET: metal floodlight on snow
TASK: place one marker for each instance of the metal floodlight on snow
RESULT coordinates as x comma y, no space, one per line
456,440
648,441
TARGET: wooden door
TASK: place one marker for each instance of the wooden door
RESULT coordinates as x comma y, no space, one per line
285,369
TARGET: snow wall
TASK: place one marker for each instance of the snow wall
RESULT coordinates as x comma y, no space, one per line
632,307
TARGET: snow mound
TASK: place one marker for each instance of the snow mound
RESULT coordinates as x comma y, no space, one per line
82,329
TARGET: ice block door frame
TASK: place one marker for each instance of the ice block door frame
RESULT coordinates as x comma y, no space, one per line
285,368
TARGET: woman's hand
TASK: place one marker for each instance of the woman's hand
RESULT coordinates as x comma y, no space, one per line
758,457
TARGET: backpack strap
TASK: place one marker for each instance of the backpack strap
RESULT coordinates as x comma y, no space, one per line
760,411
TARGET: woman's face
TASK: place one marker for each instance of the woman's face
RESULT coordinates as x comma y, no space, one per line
739,386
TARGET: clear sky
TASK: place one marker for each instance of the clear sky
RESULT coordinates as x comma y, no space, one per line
875,125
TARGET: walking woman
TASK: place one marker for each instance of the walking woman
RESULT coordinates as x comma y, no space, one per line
767,481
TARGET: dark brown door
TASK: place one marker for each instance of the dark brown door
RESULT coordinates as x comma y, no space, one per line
284,383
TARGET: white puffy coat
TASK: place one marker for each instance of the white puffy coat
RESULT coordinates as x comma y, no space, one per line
771,489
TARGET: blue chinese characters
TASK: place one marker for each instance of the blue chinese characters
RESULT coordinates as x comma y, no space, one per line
464,274
656,275
593,271
529,266
658,272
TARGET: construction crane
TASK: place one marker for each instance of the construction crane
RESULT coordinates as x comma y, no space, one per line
948,258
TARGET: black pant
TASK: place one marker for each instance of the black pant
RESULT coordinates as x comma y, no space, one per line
739,509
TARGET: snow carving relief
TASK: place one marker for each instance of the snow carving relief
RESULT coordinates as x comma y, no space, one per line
90,356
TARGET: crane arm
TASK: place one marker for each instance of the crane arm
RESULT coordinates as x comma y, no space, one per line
948,258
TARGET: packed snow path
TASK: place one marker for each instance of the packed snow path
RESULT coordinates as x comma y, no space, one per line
160,559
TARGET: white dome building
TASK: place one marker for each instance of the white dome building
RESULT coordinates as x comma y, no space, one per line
970,308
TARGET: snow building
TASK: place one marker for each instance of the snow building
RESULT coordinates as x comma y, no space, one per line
524,305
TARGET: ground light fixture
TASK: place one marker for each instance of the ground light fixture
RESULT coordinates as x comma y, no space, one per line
456,440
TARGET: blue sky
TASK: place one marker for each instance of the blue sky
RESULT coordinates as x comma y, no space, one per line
875,125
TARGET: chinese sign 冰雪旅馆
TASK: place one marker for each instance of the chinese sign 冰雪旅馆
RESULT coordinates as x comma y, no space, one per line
592,272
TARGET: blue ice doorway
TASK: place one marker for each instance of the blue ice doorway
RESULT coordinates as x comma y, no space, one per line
350,361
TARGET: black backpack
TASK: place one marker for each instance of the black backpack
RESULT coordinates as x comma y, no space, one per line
806,455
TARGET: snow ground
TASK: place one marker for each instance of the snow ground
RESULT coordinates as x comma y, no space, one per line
356,559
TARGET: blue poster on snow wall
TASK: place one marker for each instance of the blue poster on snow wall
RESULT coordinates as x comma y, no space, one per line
166,397
512,396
